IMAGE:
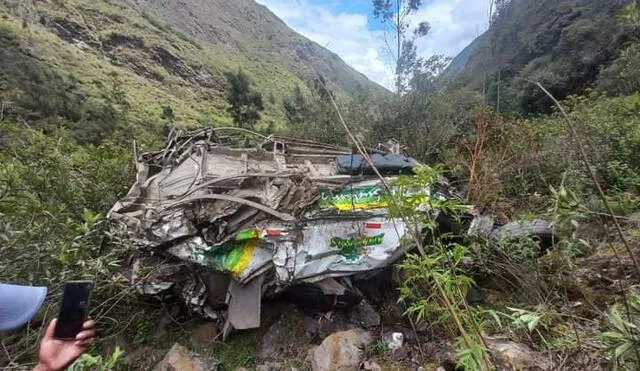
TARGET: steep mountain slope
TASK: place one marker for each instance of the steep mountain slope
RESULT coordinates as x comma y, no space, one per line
561,43
114,63
459,62
246,28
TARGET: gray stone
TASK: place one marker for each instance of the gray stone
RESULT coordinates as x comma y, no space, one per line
341,351
511,355
285,334
180,358
371,366
364,315
394,340
327,324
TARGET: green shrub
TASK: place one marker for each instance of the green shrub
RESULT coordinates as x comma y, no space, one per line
53,198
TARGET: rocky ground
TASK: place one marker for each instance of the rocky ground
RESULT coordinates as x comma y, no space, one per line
375,335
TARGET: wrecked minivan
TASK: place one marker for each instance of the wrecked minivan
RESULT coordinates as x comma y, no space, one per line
223,227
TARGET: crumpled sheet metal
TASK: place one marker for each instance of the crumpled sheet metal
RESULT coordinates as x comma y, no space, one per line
248,214
332,248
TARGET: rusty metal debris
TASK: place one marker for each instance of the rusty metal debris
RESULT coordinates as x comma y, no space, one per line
286,212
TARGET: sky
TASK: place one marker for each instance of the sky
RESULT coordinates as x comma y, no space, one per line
349,29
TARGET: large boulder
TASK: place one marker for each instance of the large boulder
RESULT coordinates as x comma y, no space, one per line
341,351
180,358
514,356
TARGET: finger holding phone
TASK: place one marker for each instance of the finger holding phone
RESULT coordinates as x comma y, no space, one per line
69,335
57,354
66,337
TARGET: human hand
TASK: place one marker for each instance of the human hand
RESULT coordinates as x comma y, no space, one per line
56,354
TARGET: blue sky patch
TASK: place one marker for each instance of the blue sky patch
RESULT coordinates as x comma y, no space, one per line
349,29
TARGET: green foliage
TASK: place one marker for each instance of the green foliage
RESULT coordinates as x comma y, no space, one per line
436,281
53,195
380,348
89,362
623,334
313,116
622,76
560,44
522,318
246,102
428,124
397,15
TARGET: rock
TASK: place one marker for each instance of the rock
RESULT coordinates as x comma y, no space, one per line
410,337
286,335
269,366
241,369
371,366
515,356
144,357
394,340
180,358
340,351
364,315
441,353
326,324
400,354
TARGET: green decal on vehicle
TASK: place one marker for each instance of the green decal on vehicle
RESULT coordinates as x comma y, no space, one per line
351,248
354,198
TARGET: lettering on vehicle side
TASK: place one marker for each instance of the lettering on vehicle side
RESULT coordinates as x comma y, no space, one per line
352,248
356,242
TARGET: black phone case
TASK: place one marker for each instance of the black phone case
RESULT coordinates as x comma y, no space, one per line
74,309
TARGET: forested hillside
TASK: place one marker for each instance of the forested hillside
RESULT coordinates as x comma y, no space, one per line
106,66
562,44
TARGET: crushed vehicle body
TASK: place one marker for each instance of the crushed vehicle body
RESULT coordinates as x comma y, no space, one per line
226,226
223,227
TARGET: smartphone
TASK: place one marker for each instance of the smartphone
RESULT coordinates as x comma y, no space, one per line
74,309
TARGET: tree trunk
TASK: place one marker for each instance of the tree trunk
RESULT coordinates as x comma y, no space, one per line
399,42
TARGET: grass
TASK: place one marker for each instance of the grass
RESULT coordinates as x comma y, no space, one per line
192,104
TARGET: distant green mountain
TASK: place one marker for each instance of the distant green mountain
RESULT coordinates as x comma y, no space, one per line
153,61
459,62
561,43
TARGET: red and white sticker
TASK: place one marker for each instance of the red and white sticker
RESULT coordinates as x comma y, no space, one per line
373,225
274,233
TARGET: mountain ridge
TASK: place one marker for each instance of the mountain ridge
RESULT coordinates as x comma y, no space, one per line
562,44
159,57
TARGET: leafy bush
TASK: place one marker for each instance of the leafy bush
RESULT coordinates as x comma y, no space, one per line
89,362
623,335
622,77
53,196
435,281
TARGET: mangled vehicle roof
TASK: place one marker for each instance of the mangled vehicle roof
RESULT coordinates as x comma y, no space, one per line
225,226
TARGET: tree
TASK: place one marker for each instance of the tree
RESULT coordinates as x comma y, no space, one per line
246,102
296,108
425,77
396,15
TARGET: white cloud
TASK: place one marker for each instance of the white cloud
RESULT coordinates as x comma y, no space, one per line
345,34
454,24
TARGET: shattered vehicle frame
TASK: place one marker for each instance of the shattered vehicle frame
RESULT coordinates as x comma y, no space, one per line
224,227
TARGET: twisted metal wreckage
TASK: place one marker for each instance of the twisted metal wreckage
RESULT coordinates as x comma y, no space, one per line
222,227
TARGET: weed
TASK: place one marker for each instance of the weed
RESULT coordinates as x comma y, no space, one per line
436,281
623,334
380,348
88,362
